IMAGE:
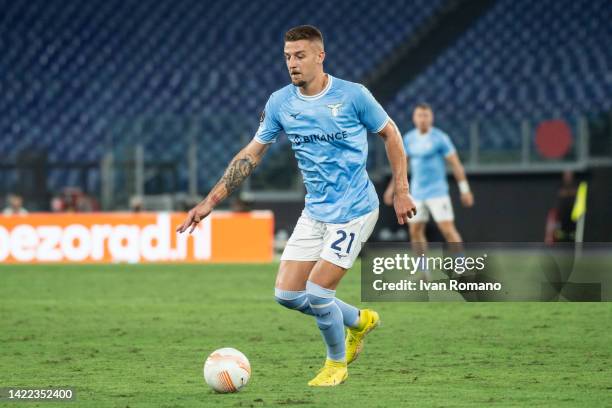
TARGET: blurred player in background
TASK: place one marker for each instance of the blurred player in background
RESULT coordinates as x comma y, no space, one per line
326,120
428,149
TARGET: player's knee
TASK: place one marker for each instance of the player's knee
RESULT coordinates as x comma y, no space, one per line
291,299
284,302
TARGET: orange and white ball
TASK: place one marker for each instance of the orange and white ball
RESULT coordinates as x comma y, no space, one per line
227,370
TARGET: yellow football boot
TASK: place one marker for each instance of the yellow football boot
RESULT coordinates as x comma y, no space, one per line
333,373
368,321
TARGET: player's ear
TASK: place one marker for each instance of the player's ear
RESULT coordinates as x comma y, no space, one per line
321,56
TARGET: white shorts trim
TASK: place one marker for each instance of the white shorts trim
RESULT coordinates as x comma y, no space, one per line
441,208
339,244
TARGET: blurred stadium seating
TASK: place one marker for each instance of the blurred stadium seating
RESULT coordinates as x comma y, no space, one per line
522,60
80,77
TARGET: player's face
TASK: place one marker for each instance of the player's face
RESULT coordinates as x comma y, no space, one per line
304,59
423,119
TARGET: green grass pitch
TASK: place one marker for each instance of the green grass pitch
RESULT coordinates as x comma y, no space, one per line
137,336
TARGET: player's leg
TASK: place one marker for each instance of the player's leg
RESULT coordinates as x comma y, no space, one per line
342,245
452,237
320,289
290,288
416,228
299,256
321,292
418,239
290,291
449,231
442,211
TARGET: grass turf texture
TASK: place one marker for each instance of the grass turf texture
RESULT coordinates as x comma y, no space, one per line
138,335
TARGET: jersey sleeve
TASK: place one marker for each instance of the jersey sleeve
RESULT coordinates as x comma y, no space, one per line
369,111
446,145
269,126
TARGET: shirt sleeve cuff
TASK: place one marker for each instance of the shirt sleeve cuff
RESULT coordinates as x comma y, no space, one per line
260,140
381,127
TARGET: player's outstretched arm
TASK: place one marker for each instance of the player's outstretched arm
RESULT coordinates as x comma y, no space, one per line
467,199
390,190
241,166
402,201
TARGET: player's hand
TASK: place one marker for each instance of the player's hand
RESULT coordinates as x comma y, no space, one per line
467,199
405,207
388,197
194,216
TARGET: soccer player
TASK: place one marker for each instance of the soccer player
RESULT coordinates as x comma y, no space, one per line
326,119
427,148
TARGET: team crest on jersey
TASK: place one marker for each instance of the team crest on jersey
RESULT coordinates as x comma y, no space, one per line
335,108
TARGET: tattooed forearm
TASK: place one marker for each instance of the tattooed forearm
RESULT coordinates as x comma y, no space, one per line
241,166
215,198
238,170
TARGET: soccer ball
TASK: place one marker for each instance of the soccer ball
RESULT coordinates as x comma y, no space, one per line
227,370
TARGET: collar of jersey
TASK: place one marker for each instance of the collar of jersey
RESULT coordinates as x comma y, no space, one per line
317,96
418,132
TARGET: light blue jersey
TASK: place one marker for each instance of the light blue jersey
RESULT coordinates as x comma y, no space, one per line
427,154
328,134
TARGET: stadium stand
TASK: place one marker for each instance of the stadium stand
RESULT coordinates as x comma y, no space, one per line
81,77
523,59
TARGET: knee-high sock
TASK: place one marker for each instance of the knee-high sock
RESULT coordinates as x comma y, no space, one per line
329,319
297,300
293,299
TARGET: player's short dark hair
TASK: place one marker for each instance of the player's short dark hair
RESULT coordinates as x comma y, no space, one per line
423,105
304,32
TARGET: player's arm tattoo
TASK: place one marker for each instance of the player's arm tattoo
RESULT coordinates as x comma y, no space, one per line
241,166
238,170
215,198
